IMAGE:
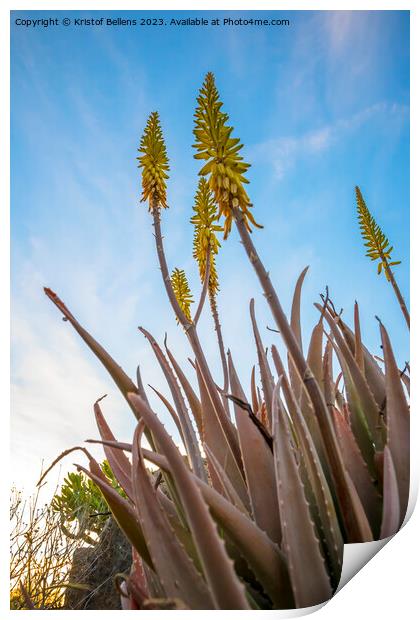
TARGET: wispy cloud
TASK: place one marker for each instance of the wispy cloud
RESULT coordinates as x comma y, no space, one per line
283,153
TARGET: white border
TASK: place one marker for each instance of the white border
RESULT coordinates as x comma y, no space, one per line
388,584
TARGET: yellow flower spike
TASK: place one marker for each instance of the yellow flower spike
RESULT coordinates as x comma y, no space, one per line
376,242
182,291
225,167
153,162
205,228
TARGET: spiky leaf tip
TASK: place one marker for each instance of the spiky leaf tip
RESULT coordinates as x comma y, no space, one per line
153,162
225,167
182,291
376,243
205,220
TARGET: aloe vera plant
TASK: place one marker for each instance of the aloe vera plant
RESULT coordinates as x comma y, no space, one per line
257,513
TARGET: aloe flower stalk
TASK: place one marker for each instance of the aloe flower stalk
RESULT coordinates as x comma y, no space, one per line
211,145
206,244
379,248
224,166
182,291
154,167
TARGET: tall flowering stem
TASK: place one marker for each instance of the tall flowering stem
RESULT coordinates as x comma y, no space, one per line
205,247
153,163
379,248
182,291
214,143
225,167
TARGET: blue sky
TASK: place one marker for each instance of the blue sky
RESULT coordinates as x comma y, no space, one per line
320,105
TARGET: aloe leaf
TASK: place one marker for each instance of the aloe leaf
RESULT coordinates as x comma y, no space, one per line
224,482
176,570
358,470
391,517
140,387
358,421
172,412
182,533
258,465
122,380
192,397
365,532
119,463
307,570
406,381
296,329
188,433
215,438
323,506
307,411
295,312
327,375
267,380
314,358
374,375
367,408
263,556
227,592
123,513
358,349
398,423
254,396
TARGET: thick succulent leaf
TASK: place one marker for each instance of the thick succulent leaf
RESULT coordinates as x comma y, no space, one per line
254,395
182,532
188,433
119,463
398,423
122,380
136,584
214,437
224,482
227,591
172,413
258,464
358,349
140,386
307,412
358,470
365,533
323,509
296,329
263,556
267,380
358,420
123,512
327,374
367,408
406,380
295,312
391,517
374,375
307,570
314,358
176,571
192,397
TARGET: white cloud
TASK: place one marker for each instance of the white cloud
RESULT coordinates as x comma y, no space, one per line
284,152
